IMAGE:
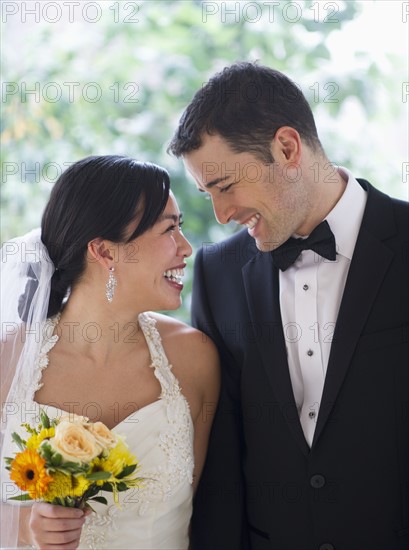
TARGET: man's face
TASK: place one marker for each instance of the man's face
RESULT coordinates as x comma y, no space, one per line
268,199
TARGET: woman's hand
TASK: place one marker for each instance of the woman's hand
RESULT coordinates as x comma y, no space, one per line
55,527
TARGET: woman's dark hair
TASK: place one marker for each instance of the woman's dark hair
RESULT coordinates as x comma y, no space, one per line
245,104
98,196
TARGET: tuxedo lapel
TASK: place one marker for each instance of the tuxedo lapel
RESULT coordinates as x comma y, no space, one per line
368,266
261,282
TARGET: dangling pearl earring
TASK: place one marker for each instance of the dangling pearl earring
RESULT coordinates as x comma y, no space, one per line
111,284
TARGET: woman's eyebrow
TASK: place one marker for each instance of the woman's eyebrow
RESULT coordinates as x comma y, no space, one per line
173,217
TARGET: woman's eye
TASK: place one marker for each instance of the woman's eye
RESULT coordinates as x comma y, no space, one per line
174,227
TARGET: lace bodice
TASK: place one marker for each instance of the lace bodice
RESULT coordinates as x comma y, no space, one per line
160,434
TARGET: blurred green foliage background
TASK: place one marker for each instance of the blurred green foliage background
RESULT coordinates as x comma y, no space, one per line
114,78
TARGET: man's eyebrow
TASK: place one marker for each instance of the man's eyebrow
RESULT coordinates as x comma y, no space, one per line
212,183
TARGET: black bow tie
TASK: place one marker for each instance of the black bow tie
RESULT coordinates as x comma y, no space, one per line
321,240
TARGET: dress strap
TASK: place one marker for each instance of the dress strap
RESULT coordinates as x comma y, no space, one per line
49,339
163,372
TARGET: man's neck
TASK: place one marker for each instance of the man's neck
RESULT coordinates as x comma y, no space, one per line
326,186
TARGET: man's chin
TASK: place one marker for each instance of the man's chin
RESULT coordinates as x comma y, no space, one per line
265,246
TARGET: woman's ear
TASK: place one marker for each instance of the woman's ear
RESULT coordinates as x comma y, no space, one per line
99,251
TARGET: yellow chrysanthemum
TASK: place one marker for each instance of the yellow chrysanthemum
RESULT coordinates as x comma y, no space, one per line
66,485
36,439
115,461
29,473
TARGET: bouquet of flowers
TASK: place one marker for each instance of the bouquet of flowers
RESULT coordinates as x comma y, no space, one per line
68,461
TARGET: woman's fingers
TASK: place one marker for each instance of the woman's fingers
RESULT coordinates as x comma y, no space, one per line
56,526
56,512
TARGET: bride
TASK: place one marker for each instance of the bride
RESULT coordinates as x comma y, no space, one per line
79,336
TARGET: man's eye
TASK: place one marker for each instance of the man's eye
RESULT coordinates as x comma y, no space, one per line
226,188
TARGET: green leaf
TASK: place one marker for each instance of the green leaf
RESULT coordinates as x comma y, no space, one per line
21,497
73,467
45,421
98,476
127,471
19,442
102,500
91,491
45,450
56,459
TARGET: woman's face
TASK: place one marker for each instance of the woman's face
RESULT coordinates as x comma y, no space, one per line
150,268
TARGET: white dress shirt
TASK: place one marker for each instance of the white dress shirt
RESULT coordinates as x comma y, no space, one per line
310,295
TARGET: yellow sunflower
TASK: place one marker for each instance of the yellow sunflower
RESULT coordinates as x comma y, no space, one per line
36,439
66,485
115,461
28,472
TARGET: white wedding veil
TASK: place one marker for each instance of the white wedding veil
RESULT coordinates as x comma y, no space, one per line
25,282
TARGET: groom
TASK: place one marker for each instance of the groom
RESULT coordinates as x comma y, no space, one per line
308,305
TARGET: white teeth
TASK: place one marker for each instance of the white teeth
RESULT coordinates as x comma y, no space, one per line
252,222
174,274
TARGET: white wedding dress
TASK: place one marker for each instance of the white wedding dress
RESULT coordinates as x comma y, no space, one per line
157,515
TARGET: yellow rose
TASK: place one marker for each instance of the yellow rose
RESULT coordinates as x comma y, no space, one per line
102,434
74,442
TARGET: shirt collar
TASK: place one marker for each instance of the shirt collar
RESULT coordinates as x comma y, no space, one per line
346,216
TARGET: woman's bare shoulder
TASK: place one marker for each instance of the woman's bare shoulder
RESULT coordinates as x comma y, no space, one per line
185,343
171,328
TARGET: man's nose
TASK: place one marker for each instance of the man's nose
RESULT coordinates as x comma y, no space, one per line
223,211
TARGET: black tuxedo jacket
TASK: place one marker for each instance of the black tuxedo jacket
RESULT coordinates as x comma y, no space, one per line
263,488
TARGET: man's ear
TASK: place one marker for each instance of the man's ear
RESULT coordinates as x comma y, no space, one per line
99,250
286,146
